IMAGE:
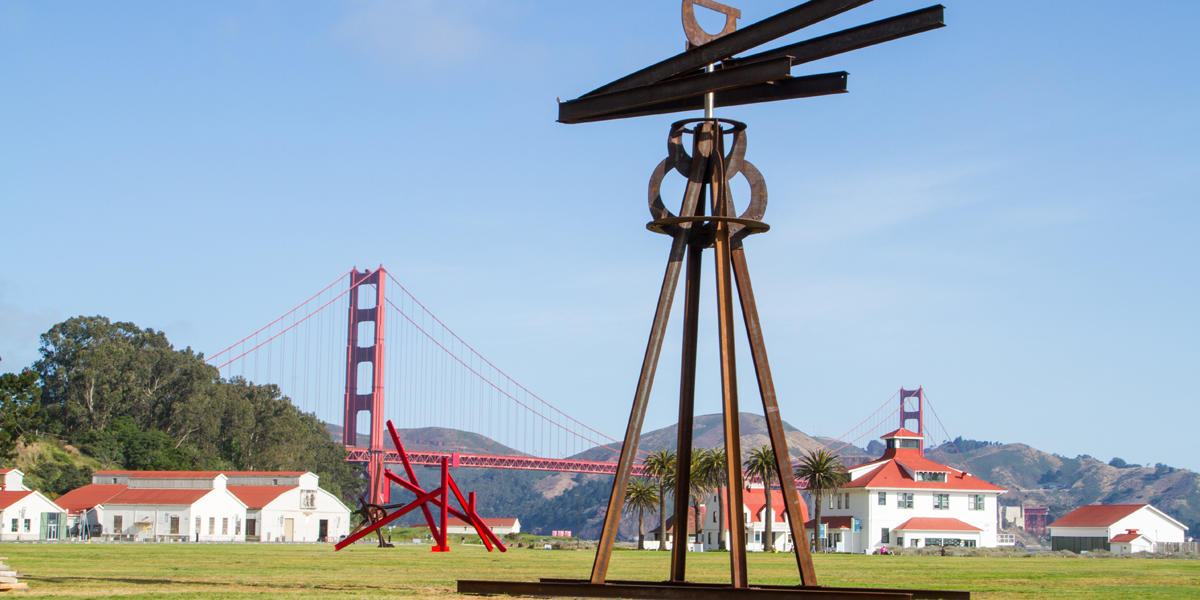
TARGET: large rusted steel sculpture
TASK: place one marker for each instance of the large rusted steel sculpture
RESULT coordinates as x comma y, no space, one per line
375,516
708,75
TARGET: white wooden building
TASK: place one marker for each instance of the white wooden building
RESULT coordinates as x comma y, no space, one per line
500,526
26,515
754,515
289,507
905,499
206,506
1108,527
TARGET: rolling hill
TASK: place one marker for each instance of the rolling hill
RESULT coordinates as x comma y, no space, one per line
547,501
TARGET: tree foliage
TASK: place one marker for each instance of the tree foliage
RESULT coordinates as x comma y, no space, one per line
19,401
822,470
641,495
126,396
660,466
761,463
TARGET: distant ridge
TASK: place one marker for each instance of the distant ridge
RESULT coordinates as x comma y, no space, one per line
545,501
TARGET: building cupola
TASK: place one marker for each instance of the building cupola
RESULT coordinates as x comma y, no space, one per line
902,441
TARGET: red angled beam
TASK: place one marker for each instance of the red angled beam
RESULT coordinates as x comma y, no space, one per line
457,514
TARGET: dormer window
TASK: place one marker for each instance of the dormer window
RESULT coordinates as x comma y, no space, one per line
931,476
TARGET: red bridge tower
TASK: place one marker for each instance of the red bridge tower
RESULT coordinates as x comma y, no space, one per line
907,399
364,346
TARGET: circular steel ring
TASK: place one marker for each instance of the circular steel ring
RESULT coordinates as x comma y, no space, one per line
683,161
669,224
755,209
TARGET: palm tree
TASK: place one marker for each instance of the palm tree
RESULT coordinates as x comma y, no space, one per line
822,470
714,470
660,465
700,484
641,495
761,463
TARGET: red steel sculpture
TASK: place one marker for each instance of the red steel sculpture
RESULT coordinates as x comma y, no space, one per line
377,515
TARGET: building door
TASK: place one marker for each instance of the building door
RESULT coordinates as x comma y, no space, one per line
49,526
289,529
174,525
322,530
251,528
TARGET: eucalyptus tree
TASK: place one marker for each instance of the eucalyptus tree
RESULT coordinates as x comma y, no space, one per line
822,470
660,466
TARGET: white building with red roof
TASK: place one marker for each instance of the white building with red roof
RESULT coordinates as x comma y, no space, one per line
1115,527
206,506
905,499
25,514
754,515
289,507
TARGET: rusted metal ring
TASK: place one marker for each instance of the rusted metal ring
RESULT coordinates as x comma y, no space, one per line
670,224
757,207
683,160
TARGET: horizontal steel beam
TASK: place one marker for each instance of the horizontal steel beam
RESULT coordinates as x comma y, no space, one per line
784,89
581,109
886,30
726,46
922,594
668,591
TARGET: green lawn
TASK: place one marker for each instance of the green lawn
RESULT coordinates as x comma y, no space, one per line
265,571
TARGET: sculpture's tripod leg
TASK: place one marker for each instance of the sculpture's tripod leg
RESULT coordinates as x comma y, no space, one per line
687,402
733,446
702,143
762,369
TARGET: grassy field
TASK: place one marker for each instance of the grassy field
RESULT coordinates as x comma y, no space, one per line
278,571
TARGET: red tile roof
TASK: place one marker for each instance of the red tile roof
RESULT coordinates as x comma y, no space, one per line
3,471
1097,515
88,496
935,524
258,496
889,474
1125,537
902,432
840,522
755,500
199,474
7,499
172,497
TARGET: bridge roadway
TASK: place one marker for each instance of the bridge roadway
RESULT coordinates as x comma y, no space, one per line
491,461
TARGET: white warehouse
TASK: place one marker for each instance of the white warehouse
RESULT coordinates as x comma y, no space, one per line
206,506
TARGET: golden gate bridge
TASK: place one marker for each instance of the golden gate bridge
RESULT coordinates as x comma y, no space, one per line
438,386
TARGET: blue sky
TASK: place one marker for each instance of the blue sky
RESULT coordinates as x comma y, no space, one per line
1003,210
